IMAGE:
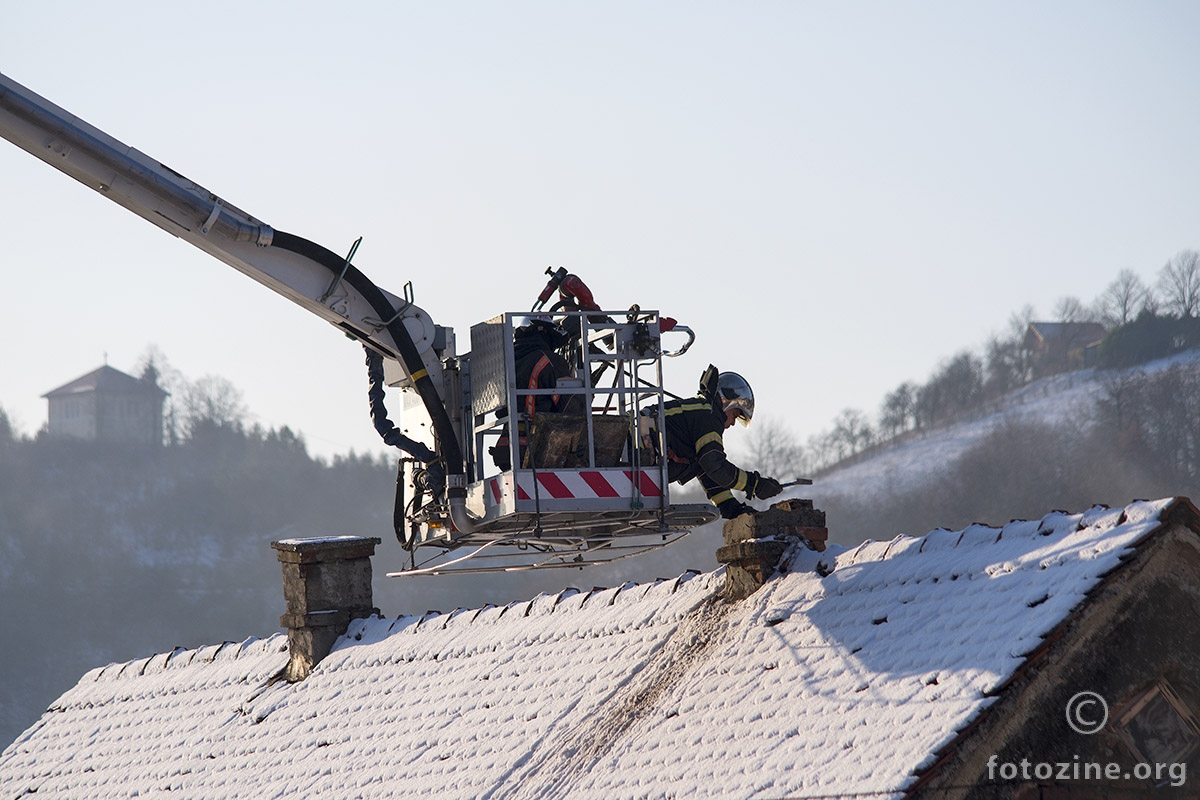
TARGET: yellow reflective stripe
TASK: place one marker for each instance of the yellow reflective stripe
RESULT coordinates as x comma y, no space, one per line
421,373
709,438
721,497
670,412
740,483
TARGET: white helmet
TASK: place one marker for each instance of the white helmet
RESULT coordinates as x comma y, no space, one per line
735,392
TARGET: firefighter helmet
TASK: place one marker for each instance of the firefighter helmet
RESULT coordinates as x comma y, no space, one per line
544,327
735,393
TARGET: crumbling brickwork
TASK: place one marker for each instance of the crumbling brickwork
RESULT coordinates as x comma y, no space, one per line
754,543
326,583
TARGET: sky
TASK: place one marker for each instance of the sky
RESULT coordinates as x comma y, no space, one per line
836,197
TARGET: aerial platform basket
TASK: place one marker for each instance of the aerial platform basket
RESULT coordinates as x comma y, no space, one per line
589,487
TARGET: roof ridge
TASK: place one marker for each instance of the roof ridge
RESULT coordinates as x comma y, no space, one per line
567,601
1057,522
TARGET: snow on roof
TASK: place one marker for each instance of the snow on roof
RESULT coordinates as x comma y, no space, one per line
820,684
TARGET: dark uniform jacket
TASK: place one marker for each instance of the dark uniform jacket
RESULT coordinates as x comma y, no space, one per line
695,448
537,366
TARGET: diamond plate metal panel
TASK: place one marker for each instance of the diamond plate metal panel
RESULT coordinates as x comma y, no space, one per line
489,388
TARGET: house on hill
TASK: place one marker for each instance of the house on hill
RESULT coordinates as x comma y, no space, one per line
107,405
1046,658
1055,347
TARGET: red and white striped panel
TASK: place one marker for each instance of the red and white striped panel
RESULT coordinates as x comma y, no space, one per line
567,484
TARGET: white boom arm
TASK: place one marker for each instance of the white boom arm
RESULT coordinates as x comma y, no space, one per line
322,282
191,212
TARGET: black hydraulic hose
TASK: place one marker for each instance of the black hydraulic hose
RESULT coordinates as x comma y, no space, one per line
390,434
409,355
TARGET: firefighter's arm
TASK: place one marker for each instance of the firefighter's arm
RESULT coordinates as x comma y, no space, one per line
723,499
710,452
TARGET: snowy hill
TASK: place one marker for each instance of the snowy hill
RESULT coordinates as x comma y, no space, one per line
1066,399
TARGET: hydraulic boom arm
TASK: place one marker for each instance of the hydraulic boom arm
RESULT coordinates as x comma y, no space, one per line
322,282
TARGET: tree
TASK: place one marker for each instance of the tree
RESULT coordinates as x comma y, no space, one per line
1146,338
823,450
1018,321
1179,284
1170,415
1005,366
1018,326
899,410
1123,300
955,387
173,382
1154,420
963,377
852,432
773,450
212,401
1071,309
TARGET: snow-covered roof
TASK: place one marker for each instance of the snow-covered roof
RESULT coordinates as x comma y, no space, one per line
821,683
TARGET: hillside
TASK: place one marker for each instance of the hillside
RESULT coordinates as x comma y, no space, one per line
1089,436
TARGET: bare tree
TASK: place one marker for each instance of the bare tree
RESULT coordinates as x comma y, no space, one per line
899,410
851,432
1179,284
1006,366
1124,298
1018,321
212,400
1071,309
1018,327
956,386
773,450
822,450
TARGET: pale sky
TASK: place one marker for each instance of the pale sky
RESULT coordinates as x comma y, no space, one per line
835,196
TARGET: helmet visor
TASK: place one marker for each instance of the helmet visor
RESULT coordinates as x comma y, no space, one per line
736,394
743,416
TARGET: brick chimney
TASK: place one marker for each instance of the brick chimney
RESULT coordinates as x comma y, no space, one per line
326,583
754,543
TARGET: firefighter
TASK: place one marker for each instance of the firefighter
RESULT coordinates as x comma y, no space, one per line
538,365
695,447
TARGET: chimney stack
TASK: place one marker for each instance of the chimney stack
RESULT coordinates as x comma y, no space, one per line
754,543
326,583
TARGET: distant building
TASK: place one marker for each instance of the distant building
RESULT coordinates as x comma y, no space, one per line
109,406
1055,347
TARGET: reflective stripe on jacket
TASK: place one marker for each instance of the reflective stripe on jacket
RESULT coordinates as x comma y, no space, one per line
697,450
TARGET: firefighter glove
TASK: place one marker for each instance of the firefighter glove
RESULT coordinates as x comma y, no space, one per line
762,487
732,508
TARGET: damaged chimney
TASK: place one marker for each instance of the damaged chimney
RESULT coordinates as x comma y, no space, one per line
754,543
326,583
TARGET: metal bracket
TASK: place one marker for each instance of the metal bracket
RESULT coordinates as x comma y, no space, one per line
213,215
338,280
381,324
